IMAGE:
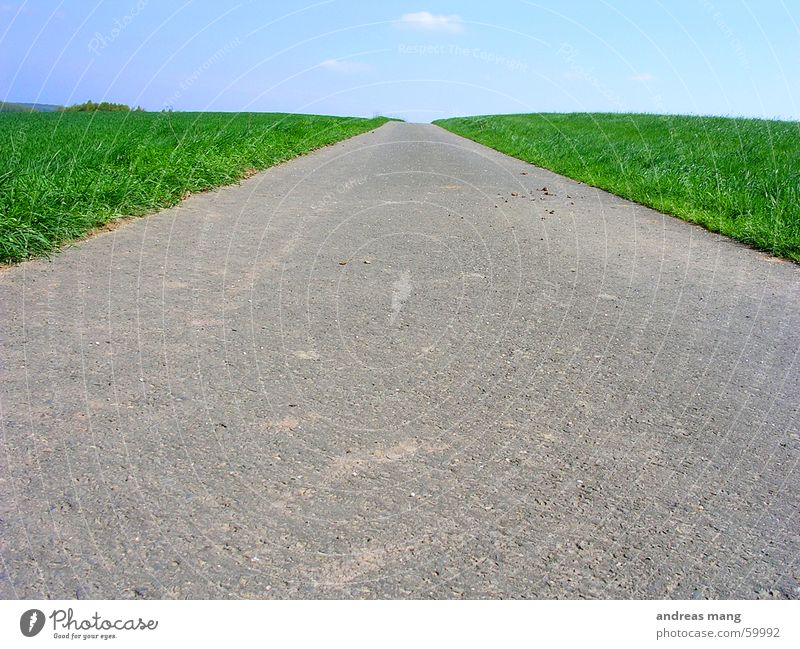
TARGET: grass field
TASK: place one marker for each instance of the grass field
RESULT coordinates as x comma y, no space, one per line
740,177
64,174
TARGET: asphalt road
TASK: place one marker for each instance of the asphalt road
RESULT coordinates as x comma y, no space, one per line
402,366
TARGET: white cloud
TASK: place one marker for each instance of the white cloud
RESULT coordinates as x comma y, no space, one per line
642,77
345,67
428,21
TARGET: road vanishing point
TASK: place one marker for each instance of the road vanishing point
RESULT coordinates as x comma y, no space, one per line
402,366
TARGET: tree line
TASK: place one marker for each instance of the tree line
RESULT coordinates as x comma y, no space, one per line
103,106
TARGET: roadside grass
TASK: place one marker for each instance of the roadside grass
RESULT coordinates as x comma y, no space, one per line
739,177
64,174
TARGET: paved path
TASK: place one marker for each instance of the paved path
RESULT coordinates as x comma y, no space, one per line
398,367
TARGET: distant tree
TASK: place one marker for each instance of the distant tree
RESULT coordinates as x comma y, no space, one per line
8,107
103,106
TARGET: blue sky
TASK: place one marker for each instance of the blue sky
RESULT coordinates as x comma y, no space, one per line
419,60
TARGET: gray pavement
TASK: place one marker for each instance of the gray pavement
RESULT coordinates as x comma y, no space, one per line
401,366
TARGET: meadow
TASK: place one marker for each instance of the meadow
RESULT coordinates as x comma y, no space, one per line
63,175
739,177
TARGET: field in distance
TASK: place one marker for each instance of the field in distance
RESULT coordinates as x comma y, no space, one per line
739,177
64,174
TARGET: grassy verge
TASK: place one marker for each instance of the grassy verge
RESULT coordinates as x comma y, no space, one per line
740,177
62,175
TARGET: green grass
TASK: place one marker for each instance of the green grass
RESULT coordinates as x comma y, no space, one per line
740,177
64,174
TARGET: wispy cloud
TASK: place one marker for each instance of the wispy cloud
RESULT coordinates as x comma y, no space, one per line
642,77
430,22
345,67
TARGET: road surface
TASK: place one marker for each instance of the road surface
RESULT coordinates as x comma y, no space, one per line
401,366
